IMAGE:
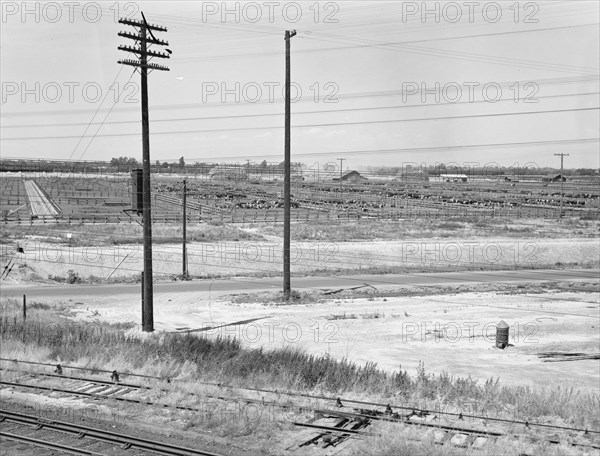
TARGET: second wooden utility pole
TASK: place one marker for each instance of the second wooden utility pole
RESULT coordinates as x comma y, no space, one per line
184,252
287,286
341,172
562,182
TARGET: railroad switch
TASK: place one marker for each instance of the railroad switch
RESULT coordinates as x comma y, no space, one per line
388,410
115,376
58,370
338,403
327,438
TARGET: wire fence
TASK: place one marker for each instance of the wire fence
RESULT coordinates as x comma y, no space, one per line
108,199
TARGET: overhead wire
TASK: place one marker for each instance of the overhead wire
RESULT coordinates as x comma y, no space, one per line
325,124
322,111
459,55
338,96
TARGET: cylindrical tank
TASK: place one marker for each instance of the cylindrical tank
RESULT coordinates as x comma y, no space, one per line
502,335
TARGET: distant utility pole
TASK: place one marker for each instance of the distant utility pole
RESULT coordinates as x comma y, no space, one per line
141,49
562,181
184,253
341,172
287,286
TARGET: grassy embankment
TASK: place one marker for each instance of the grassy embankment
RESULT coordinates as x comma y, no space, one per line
49,336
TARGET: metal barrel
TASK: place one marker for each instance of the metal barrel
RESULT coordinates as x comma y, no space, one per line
502,335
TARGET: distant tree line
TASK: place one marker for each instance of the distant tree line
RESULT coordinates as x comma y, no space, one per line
126,164
440,168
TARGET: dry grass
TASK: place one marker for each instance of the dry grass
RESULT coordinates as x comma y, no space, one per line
277,297
408,441
423,228
48,336
127,233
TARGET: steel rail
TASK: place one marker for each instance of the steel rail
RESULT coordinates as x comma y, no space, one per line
103,435
418,423
457,430
325,412
360,414
155,404
334,399
83,379
334,429
95,396
46,444
446,428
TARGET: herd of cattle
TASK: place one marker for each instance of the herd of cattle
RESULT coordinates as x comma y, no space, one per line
364,198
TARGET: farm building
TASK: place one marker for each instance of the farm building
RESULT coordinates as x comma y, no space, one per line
351,176
451,178
554,178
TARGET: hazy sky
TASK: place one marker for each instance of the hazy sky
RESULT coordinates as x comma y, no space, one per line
358,69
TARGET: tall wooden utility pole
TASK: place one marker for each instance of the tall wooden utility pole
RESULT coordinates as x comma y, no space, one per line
562,182
287,286
184,253
141,49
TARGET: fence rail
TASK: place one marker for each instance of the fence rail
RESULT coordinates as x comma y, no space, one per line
276,216
98,200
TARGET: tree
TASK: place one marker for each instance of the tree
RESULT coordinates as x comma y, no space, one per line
123,161
182,162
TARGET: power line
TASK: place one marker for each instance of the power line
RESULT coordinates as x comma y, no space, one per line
331,124
323,111
342,96
389,43
95,113
459,55
101,123
422,149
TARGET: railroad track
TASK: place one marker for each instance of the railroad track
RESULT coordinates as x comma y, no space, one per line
336,420
75,439
351,424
